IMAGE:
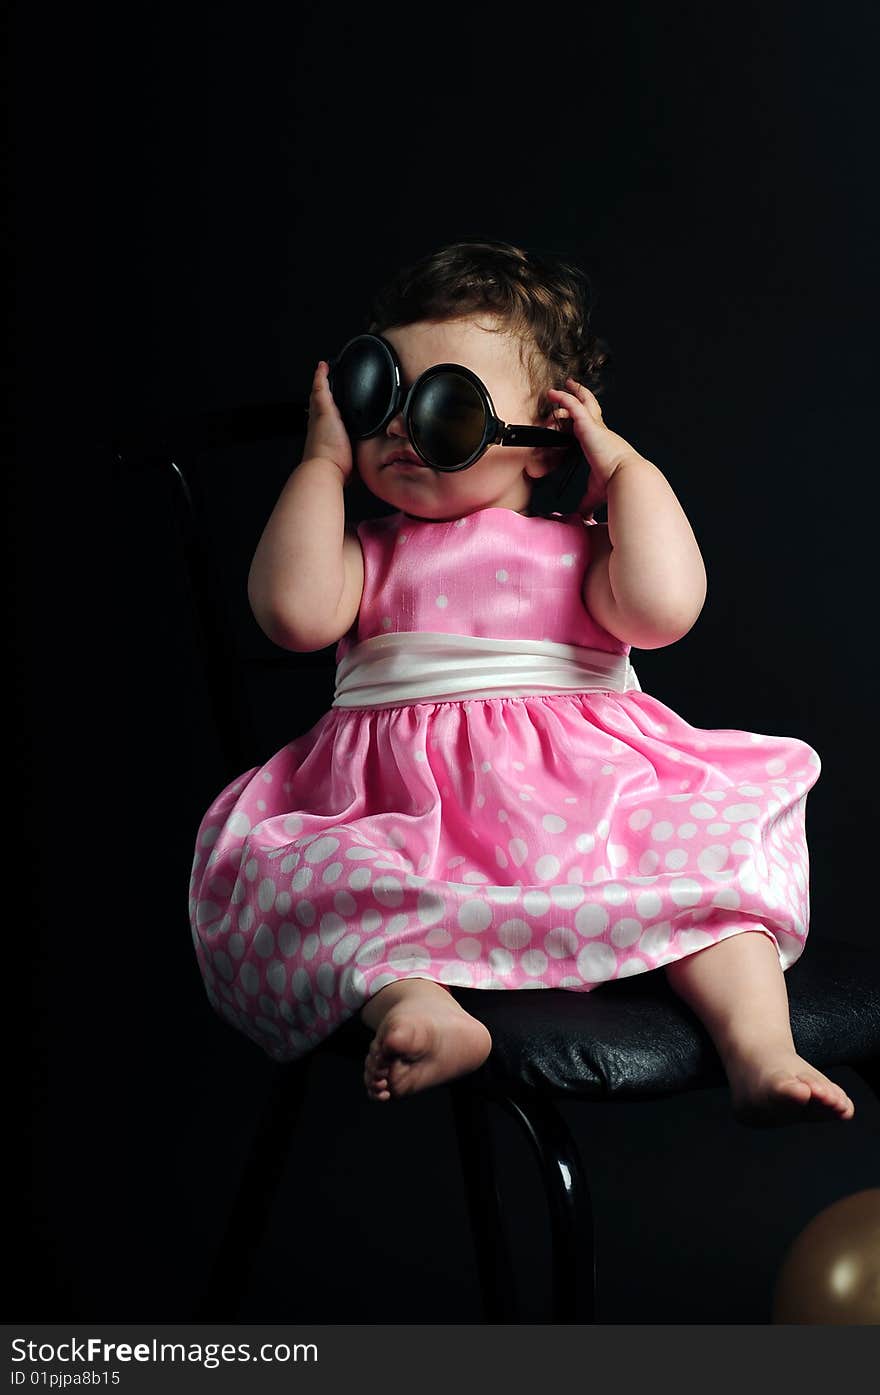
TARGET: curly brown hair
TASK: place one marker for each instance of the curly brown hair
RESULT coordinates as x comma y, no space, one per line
544,301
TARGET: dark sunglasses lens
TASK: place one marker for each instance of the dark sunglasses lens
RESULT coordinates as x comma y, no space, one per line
362,384
447,420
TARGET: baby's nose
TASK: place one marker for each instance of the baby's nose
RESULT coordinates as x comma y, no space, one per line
396,426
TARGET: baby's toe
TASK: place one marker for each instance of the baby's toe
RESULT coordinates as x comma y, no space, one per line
828,1093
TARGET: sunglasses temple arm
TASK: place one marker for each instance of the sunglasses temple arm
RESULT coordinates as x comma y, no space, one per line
532,436
542,436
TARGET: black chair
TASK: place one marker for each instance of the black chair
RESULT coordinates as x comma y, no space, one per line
625,1041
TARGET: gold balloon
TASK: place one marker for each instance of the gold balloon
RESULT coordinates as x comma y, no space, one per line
831,1271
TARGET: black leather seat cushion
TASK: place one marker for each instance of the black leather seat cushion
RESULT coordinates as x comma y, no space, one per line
635,1039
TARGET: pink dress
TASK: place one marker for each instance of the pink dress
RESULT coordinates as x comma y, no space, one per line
551,840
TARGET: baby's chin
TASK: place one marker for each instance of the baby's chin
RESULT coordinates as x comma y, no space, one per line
422,493
415,493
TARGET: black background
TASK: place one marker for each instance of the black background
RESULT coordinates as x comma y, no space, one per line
204,196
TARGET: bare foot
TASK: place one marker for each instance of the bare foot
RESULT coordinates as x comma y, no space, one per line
783,1088
423,1037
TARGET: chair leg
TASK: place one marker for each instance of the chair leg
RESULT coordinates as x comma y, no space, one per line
256,1191
473,1126
571,1211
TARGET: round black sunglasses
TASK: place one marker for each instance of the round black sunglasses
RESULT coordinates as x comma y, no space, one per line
449,416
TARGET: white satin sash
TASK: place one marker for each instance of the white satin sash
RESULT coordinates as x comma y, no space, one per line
396,670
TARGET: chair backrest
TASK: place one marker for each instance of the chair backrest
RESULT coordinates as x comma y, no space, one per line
221,473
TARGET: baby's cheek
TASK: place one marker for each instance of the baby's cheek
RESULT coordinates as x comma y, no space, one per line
367,459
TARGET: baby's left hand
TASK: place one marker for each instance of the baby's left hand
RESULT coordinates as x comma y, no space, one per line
604,449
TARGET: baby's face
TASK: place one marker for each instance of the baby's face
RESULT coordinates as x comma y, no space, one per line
502,477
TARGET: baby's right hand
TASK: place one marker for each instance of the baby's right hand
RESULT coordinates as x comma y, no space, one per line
327,436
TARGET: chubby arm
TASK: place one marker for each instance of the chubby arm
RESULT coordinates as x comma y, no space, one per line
646,581
306,576
297,574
